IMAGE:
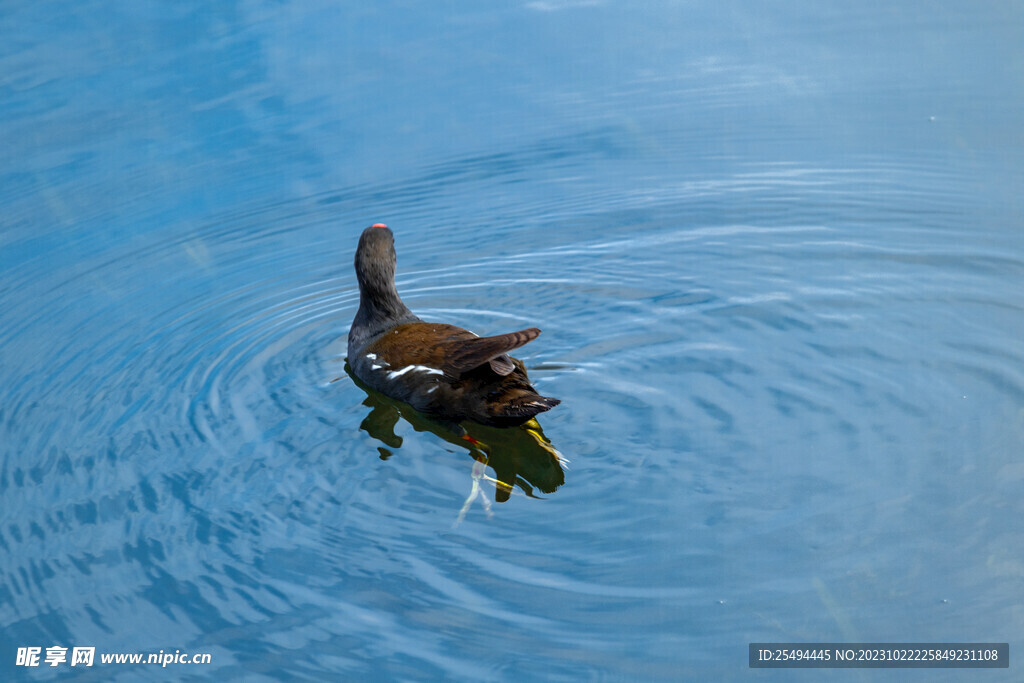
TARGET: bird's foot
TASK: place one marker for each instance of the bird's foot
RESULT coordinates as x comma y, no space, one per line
479,467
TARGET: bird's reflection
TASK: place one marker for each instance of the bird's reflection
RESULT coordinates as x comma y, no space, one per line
521,457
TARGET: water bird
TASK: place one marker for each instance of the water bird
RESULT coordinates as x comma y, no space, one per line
443,371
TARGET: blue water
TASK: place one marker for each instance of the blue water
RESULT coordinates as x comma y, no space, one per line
777,254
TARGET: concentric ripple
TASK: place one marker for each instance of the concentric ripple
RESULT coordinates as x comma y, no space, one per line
217,477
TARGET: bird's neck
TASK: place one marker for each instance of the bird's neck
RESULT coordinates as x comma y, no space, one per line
380,308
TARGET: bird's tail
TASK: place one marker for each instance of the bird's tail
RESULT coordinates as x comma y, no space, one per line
517,409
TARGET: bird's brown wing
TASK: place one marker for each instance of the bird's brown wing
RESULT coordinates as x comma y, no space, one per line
462,355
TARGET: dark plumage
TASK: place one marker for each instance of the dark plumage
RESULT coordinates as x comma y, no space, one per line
441,370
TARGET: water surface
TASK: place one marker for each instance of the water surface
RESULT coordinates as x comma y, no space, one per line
776,255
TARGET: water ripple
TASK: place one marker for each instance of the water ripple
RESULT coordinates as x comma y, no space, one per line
201,461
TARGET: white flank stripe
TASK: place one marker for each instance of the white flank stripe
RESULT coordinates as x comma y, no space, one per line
418,368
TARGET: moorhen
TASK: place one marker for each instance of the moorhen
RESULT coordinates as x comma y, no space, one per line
443,371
